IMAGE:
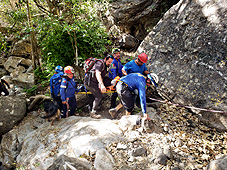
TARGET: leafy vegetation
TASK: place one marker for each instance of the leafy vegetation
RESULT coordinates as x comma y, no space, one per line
67,31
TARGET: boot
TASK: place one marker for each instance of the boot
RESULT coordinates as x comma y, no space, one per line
113,112
94,115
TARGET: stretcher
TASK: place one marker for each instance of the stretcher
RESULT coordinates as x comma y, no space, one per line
109,89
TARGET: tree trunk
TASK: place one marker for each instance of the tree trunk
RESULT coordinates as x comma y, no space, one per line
35,55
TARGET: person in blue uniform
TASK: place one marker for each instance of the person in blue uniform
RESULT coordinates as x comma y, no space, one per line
136,66
55,83
115,70
67,91
125,88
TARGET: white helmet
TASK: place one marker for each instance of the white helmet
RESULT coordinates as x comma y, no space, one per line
154,79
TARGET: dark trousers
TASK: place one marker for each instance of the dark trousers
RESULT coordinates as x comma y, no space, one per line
72,107
58,100
96,96
127,97
113,100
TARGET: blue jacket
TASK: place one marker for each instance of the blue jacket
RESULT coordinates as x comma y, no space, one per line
68,88
115,70
55,86
137,81
132,67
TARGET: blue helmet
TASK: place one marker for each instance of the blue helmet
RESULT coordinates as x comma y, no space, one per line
58,69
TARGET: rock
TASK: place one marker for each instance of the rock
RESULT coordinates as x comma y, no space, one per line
12,110
157,150
161,159
190,58
168,151
14,62
103,160
219,164
44,143
137,16
22,48
139,152
65,162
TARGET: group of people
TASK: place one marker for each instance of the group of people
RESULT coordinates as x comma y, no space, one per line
130,81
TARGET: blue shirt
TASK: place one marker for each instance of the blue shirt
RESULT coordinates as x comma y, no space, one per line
55,86
132,67
68,88
115,69
137,81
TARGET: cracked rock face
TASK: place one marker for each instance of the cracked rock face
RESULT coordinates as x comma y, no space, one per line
187,49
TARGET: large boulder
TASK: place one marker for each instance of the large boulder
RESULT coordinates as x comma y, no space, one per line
187,49
136,17
12,110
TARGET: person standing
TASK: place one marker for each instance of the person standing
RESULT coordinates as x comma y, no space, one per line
55,83
115,70
136,66
96,82
67,91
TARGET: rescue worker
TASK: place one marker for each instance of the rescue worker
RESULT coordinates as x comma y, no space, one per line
67,91
96,82
125,88
136,66
3,88
55,83
116,70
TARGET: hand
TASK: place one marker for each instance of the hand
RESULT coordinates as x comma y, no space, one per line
63,102
147,117
52,95
102,88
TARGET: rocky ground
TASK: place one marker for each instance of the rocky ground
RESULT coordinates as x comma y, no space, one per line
179,140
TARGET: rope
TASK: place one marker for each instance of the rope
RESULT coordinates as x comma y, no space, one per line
215,111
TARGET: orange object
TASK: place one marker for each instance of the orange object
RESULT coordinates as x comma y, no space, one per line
110,88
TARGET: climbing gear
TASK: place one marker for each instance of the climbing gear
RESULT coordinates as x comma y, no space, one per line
115,50
189,107
69,69
143,57
58,69
154,79
94,115
89,63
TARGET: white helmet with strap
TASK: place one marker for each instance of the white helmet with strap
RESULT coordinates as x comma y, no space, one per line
154,79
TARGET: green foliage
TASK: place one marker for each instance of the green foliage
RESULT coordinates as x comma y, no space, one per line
31,91
60,35
3,44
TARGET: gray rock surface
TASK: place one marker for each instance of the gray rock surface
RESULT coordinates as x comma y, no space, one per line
12,110
187,49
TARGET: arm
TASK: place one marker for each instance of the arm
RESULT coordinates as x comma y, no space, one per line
124,72
142,95
99,78
62,91
146,72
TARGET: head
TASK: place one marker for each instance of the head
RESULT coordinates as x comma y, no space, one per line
58,69
108,59
142,58
69,71
116,53
152,79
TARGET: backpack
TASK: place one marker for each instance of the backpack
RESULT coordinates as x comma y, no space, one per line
89,63
56,83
